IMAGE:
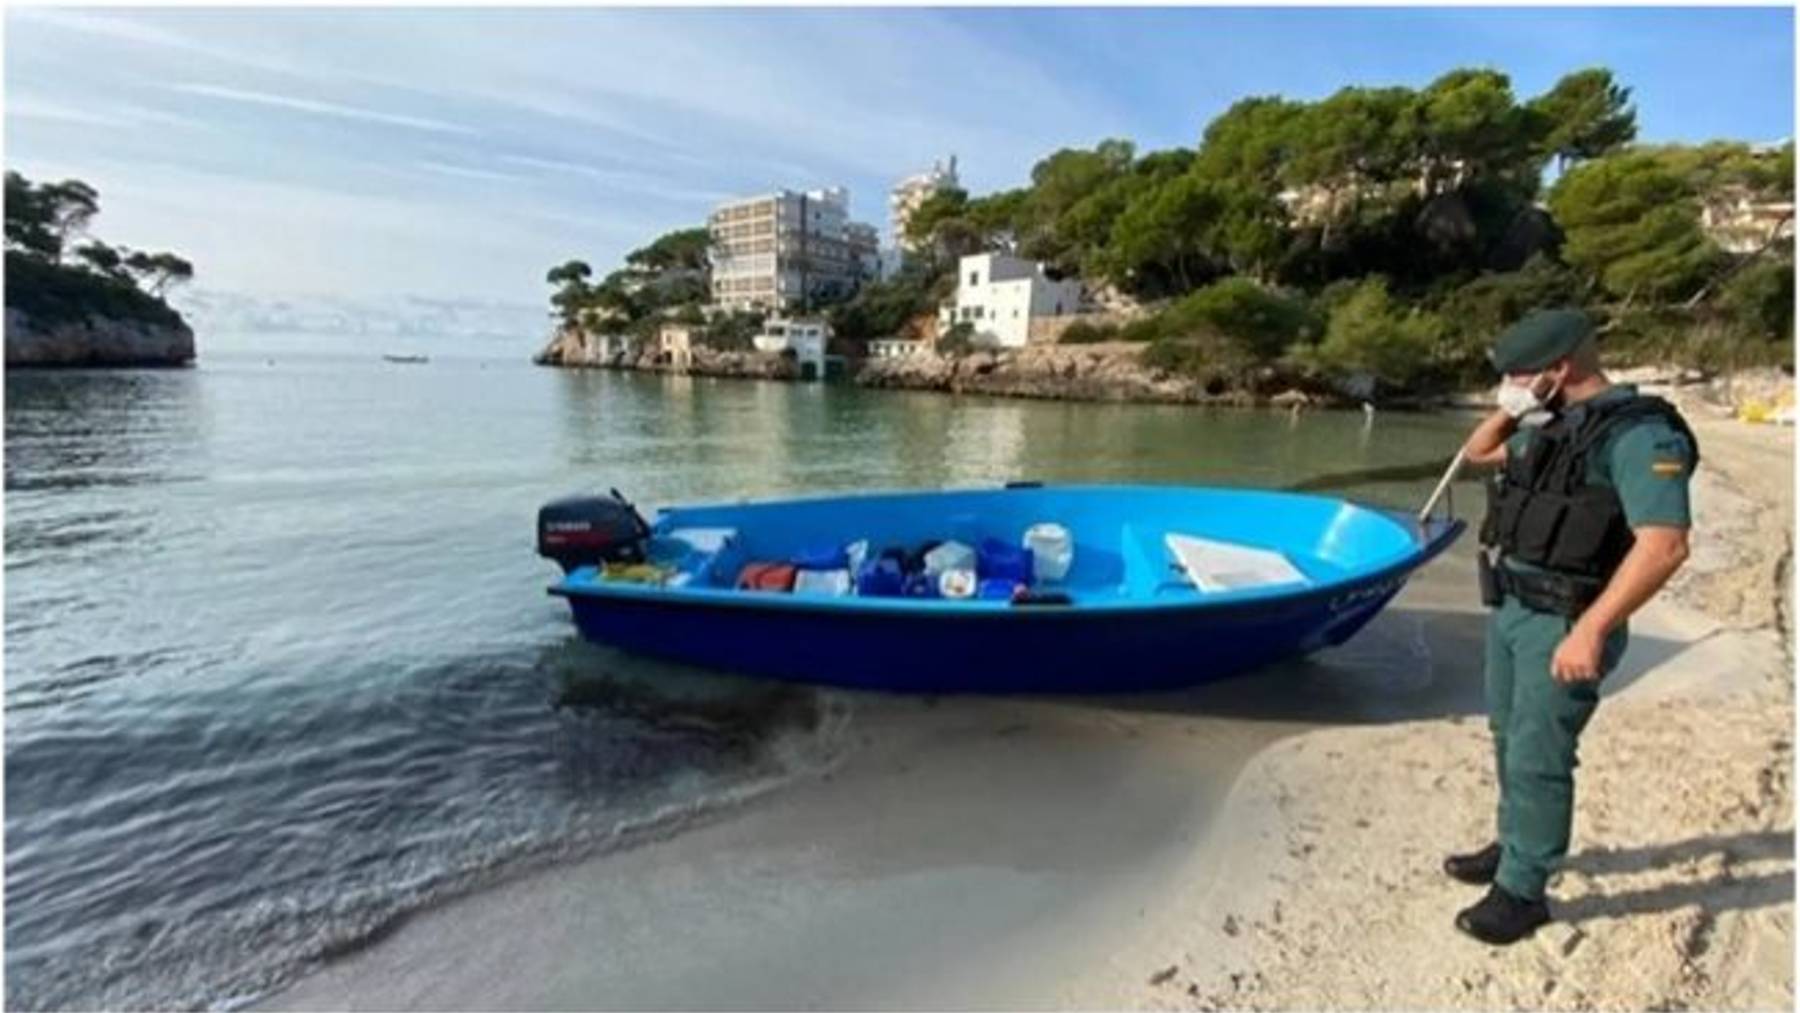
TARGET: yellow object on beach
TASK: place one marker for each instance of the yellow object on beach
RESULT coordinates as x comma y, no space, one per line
1755,411
1780,411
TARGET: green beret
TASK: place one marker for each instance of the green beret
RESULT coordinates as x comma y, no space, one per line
1540,339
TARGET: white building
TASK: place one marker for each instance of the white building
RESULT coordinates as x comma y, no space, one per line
913,191
894,348
675,343
999,295
785,249
805,339
609,346
1743,222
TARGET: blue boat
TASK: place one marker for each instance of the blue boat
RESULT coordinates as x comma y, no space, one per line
1167,586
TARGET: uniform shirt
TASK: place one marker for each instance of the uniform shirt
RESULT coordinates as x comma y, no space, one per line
1648,461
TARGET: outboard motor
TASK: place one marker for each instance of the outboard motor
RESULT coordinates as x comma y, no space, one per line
590,530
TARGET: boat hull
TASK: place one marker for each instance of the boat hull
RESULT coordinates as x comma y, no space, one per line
939,648
1048,651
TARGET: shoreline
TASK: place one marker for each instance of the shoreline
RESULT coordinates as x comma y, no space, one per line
1112,373
1263,843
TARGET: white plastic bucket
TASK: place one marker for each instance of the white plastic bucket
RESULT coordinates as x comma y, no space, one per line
1052,551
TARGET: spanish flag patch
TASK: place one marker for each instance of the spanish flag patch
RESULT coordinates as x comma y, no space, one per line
1668,468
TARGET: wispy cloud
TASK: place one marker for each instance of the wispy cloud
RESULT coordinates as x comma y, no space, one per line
466,172
623,180
139,34
320,108
127,116
549,133
29,108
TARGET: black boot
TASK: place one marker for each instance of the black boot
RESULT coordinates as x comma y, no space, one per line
1476,868
1500,919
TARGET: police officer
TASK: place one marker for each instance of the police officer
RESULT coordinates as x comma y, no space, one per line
1587,519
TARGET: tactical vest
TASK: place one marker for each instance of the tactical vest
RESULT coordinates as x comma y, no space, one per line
1543,509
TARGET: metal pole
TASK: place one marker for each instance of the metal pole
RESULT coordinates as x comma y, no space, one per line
1443,485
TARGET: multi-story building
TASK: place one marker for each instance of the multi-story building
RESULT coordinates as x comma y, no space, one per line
865,250
913,191
785,250
998,296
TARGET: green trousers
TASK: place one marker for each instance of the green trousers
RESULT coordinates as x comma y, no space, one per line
1536,722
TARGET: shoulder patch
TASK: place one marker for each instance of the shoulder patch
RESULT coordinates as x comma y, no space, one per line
1667,467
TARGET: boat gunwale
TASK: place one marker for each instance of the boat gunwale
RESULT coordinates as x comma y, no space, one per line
1427,545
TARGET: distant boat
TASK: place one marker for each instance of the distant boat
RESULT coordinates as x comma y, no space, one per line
409,360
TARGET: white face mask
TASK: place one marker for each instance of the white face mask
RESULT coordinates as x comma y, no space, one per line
1521,399
1518,400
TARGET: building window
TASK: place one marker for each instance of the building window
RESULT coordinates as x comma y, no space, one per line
974,277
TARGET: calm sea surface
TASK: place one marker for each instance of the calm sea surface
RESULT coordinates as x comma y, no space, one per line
280,668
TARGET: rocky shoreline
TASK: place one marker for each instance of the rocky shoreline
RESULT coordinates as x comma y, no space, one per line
1116,372
577,349
1111,371
96,341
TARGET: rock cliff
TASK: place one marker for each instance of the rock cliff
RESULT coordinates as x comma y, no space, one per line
96,341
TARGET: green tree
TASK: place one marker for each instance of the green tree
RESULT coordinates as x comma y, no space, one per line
1760,299
572,293
158,270
42,218
102,259
1259,323
29,222
882,309
1585,115
997,216
1251,233
1058,183
681,250
1357,136
1469,127
941,225
1633,225
1161,239
1371,332
1251,143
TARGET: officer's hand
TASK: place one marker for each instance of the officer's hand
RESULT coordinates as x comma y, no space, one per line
1577,658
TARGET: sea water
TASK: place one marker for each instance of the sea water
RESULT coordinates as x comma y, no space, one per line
281,668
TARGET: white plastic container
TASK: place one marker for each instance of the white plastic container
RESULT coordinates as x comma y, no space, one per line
949,556
1052,551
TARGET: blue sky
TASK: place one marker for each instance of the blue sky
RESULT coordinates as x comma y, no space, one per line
460,152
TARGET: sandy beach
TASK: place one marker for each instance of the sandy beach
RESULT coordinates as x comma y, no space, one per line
1268,843
1679,890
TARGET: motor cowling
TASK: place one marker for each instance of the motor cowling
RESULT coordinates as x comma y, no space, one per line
590,530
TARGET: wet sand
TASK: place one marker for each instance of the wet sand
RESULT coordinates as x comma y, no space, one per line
1271,842
966,852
